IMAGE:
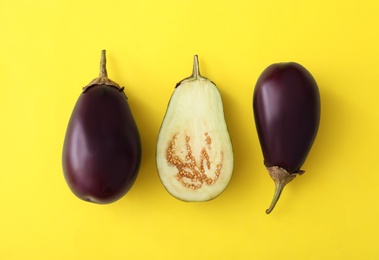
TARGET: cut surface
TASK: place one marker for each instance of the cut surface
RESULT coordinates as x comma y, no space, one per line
194,151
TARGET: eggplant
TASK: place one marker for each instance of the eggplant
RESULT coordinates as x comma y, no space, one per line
102,146
286,104
194,153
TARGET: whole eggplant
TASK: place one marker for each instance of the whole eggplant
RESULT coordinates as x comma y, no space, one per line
102,147
286,104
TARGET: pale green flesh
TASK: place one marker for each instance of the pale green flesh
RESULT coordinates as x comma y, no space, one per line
196,112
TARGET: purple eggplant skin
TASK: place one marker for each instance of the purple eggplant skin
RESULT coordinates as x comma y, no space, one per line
102,147
287,107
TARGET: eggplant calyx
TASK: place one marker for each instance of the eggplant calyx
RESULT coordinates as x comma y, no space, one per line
195,73
102,79
281,177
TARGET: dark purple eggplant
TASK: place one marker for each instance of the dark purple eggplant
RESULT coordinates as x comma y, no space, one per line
102,147
286,104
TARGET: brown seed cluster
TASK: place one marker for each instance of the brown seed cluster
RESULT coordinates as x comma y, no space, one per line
190,172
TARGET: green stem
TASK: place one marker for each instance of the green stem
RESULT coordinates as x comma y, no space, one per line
103,75
278,191
195,73
103,65
196,70
281,177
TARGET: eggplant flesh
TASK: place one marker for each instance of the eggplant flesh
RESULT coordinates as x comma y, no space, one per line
286,104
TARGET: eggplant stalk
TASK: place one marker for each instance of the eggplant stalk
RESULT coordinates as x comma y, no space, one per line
281,177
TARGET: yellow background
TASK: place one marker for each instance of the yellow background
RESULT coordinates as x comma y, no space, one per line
50,49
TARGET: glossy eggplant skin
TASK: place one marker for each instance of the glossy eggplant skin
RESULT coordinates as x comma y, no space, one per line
102,146
286,104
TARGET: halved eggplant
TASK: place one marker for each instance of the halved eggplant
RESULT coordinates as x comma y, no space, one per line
194,152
